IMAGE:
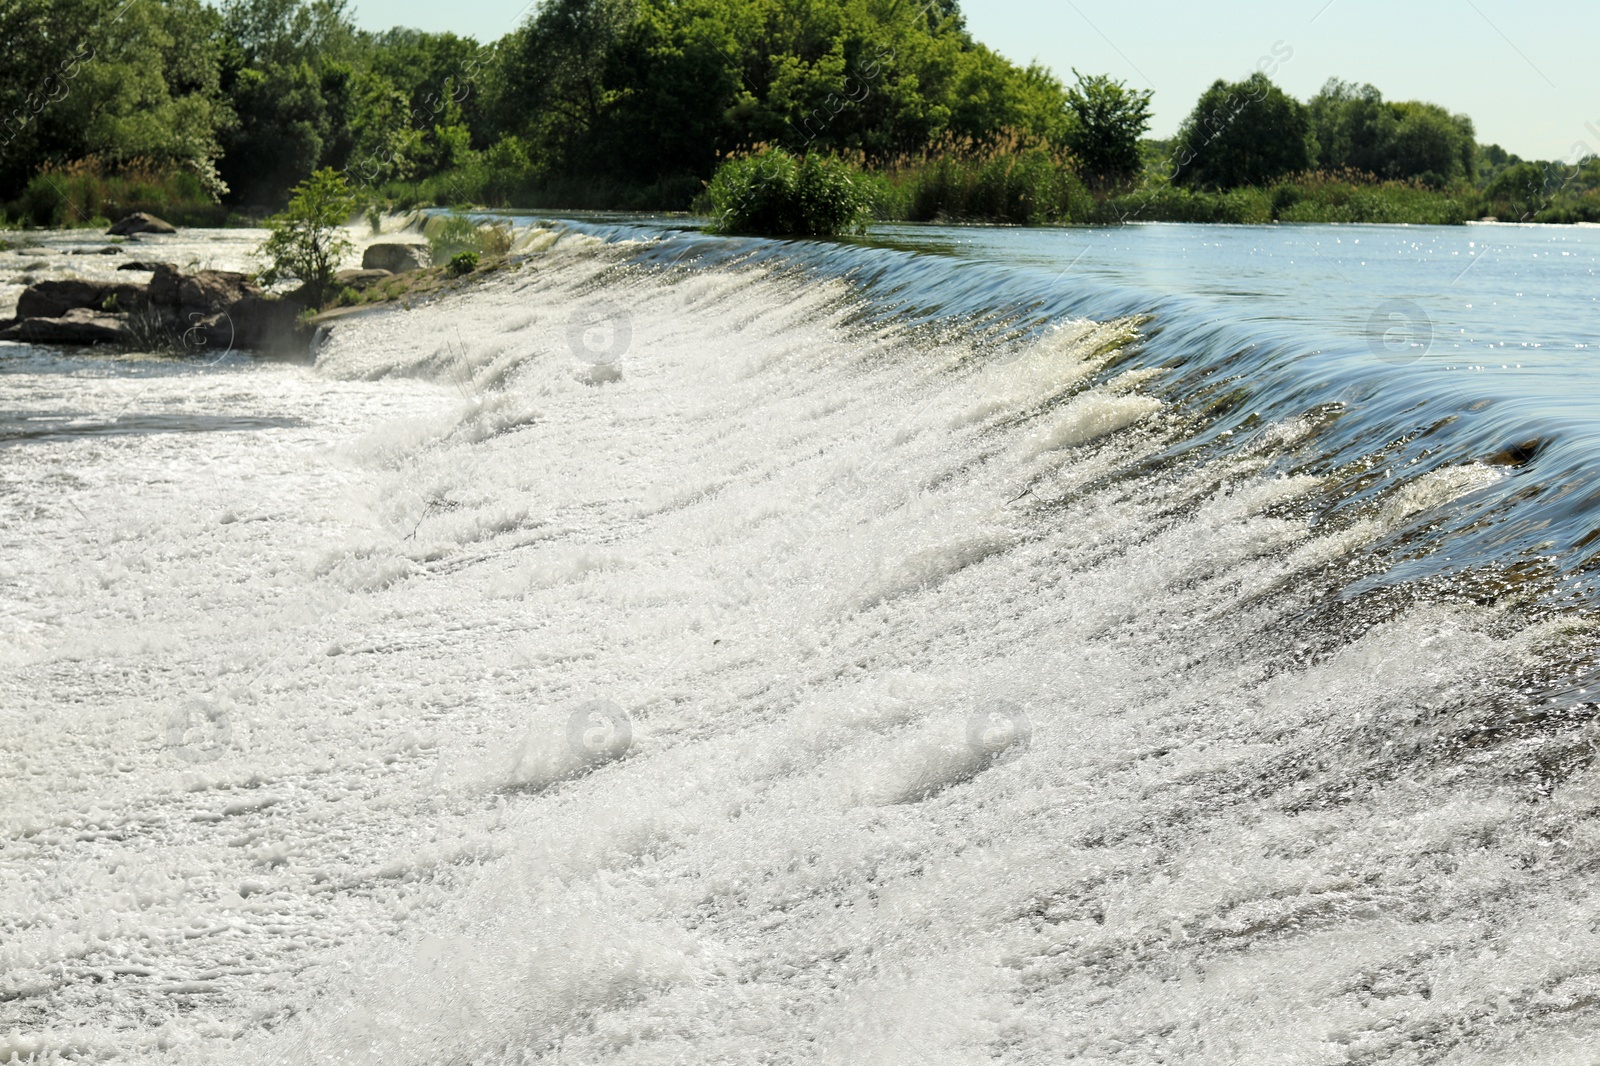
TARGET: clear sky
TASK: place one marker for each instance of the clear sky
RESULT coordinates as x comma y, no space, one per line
1526,72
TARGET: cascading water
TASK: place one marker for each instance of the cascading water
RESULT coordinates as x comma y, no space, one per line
678,650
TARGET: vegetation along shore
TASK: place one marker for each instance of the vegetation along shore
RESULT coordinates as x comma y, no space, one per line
808,117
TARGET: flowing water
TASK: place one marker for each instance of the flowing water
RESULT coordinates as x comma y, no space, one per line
1167,644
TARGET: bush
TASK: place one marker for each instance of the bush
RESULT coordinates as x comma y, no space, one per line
776,194
1351,196
85,192
463,263
1169,203
1011,179
449,234
307,240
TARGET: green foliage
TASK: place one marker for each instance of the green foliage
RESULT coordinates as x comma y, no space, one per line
88,190
1242,133
282,127
632,104
1012,183
1354,128
81,78
1171,203
307,240
1353,197
1518,193
1110,120
778,194
652,91
463,263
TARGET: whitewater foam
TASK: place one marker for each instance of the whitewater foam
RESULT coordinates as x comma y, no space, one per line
800,561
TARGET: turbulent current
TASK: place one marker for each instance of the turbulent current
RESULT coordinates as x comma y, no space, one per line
681,650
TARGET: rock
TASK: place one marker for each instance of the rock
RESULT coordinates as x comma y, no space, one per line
108,249
141,264
214,309
164,284
360,279
259,323
139,222
80,325
210,290
207,291
51,299
396,256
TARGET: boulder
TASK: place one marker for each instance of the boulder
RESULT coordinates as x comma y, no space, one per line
259,323
139,222
210,290
220,308
360,279
396,256
79,325
51,299
141,264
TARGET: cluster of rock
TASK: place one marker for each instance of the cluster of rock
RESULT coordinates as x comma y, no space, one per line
209,309
215,309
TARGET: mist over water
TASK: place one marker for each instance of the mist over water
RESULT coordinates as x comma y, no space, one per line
679,650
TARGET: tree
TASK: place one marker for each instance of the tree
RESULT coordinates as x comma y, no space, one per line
1354,127
272,33
1111,118
307,240
119,82
1518,192
1243,133
1431,143
282,128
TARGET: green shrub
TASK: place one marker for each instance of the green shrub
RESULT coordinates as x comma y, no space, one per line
90,192
449,234
1350,196
463,263
774,193
1162,203
1013,178
307,240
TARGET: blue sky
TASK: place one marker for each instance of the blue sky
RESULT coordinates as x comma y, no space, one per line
1525,72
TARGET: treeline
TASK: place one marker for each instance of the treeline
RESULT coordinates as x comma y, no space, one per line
592,102
200,110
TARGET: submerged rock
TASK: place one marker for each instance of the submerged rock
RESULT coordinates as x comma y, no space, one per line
140,222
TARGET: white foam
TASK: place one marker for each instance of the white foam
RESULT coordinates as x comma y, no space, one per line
803,561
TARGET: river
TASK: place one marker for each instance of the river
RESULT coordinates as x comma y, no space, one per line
1153,644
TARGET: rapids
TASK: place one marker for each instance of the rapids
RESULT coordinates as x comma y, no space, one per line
672,650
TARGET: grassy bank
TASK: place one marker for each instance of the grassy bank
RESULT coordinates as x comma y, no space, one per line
1009,181
92,192
1028,184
